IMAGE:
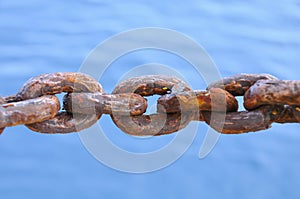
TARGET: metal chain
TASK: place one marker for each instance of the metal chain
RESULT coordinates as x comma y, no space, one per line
266,100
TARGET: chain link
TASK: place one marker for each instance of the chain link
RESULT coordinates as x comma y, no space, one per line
266,100
153,124
29,111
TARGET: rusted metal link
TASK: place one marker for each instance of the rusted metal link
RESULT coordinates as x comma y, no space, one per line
65,123
50,84
290,114
28,111
237,85
152,85
244,121
154,124
55,83
198,100
272,92
89,103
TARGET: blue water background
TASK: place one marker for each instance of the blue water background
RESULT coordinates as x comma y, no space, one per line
256,36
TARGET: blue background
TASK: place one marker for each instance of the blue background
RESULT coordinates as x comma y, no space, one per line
257,36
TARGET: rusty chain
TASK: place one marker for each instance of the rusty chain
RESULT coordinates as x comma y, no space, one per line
266,100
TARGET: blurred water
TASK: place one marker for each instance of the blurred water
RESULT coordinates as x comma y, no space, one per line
241,36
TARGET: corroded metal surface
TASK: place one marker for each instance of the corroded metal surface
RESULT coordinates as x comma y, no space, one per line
56,83
272,92
154,124
65,123
243,121
290,114
29,111
50,84
202,100
237,85
266,99
90,103
152,85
